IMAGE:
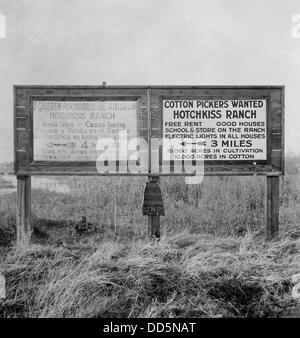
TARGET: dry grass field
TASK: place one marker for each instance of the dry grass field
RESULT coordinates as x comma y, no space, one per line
212,259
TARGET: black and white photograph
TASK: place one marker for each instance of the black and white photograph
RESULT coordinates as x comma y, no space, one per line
149,163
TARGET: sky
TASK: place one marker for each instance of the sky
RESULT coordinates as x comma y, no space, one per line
149,42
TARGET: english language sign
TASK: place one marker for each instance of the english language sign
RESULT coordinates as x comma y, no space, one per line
215,129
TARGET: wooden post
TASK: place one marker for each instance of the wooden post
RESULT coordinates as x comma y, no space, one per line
272,206
154,220
24,211
154,226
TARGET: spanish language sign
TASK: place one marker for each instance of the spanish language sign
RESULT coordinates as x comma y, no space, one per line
214,130
70,130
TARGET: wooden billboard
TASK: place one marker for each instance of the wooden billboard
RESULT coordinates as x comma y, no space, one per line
148,130
57,128
239,128
232,120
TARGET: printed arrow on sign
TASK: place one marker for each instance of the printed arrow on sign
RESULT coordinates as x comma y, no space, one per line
69,144
193,143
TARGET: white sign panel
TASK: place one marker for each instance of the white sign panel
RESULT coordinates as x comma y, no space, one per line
219,130
70,130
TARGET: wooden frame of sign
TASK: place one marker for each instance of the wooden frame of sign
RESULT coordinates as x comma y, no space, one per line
149,110
25,96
